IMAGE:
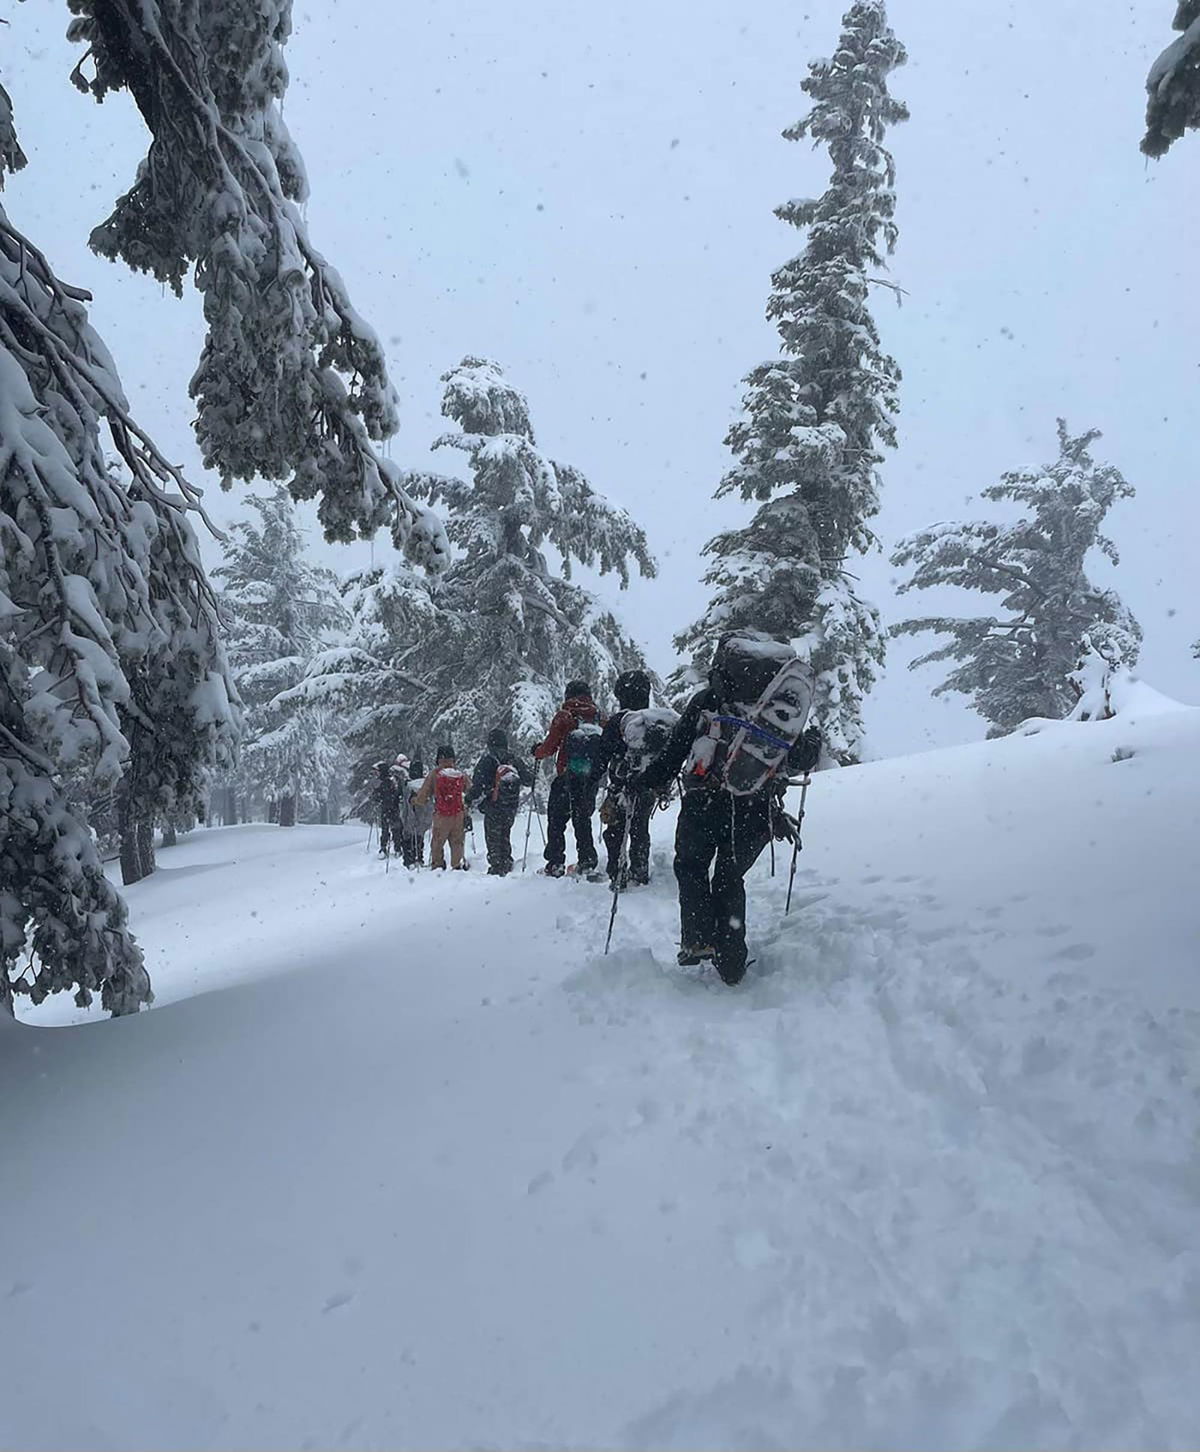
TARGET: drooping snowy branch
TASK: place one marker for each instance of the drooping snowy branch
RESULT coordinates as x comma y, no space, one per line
1173,85
101,596
292,381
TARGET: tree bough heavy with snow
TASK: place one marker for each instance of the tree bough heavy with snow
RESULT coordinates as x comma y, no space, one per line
280,610
807,448
1022,664
1173,85
101,591
512,629
291,381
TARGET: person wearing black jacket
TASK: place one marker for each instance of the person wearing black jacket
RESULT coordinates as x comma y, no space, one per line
719,837
497,801
632,690
386,793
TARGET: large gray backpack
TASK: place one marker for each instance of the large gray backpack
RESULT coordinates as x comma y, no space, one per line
766,691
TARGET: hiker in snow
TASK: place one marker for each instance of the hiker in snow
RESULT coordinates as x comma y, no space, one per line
446,788
496,790
738,735
387,806
633,736
573,739
415,820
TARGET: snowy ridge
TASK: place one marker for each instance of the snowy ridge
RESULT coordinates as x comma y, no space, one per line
927,1178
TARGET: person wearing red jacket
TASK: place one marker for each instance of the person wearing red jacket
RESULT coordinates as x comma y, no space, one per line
573,740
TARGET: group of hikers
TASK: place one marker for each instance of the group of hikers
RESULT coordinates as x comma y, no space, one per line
733,751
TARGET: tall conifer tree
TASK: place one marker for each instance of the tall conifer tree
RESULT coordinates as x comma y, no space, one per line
807,447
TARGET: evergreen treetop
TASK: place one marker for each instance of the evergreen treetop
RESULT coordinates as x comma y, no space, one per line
1020,664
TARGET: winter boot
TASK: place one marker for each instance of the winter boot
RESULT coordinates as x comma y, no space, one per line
554,869
731,970
689,957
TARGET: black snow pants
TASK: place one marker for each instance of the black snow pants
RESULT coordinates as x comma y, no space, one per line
571,800
389,834
712,894
497,833
414,849
639,833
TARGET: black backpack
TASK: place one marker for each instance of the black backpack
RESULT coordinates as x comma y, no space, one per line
766,691
506,788
583,745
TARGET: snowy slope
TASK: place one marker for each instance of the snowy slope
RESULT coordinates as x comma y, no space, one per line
929,1177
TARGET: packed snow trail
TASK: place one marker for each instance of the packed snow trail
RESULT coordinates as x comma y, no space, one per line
440,1174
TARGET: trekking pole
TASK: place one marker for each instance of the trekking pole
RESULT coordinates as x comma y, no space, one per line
804,785
616,882
529,823
370,838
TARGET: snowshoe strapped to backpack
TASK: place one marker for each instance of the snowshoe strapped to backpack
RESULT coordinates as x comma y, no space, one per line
766,691
583,744
646,734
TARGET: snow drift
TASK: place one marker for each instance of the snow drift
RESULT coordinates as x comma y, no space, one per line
428,1170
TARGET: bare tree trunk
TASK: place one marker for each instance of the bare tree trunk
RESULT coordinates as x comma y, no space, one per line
131,862
231,807
325,817
287,810
169,838
273,810
145,845
132,868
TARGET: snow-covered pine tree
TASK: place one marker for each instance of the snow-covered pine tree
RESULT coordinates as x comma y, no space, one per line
364,677
807,448
1173,84
93,568
280,610
513,629
1021,664
291,381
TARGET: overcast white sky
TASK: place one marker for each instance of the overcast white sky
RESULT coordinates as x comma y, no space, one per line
586,193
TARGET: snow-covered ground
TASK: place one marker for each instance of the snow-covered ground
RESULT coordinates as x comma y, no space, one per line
428,1170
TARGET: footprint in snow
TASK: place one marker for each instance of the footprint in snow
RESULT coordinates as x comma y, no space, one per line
336,1302
1076,952
539,1182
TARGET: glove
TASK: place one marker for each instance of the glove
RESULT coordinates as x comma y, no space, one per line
468,824
608,810
535,748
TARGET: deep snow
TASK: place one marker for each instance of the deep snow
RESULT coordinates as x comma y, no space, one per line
428,1170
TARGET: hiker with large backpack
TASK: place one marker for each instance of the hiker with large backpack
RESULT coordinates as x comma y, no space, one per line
573,740
446,788
496,790
737,740
633,736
